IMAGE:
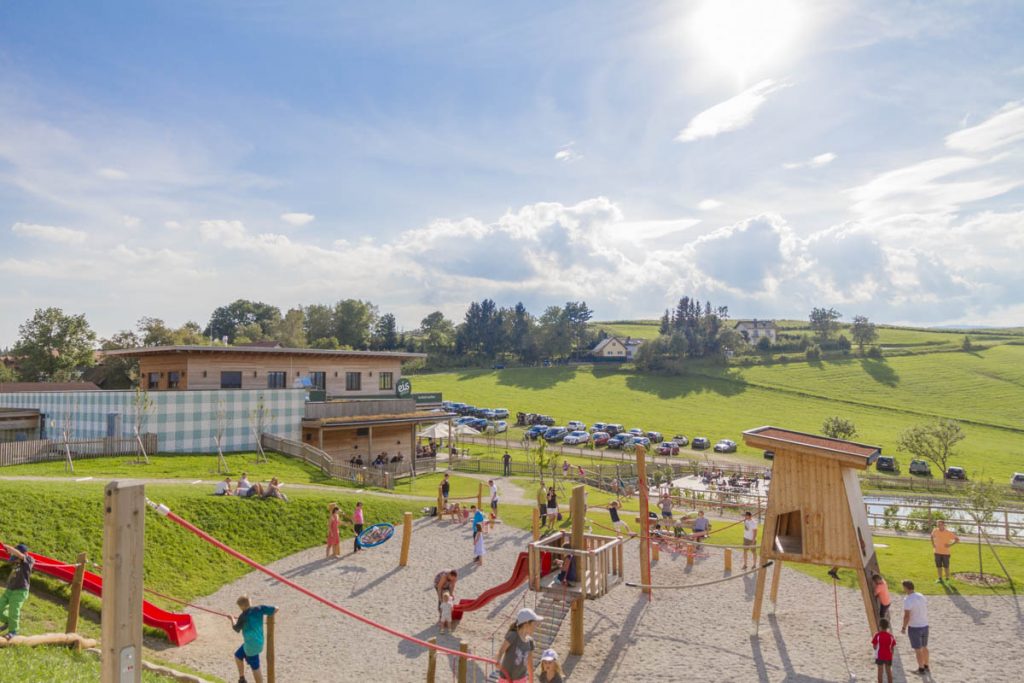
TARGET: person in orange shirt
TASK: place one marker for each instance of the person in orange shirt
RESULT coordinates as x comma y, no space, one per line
942,541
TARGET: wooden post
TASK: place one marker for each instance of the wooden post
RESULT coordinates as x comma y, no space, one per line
773,597
762,574
123,541
76,595
536,523
578,510
440,503
655,550
691,552
463,647
432,661
271,650
576,627
728,559
406,539
645,520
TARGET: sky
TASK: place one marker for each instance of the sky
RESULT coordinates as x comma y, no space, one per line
164,158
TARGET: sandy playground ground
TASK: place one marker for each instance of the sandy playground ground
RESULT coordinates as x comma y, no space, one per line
696,634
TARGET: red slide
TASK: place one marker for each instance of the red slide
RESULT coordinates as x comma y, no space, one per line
520,573
180,628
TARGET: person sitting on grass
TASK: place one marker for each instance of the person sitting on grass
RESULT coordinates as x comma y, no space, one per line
16,593
250,625
274,490
223,488
243,485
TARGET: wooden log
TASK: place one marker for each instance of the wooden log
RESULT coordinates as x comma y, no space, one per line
432,661
576,627
403,561
774,595
271,650
645,525
728,559
480,495
67,639
123,543
463,662
74,604
536,523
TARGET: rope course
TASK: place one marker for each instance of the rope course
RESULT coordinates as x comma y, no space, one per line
699,585
839,636
165,512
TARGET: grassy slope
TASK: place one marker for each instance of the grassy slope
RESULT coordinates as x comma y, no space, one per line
56,664
722,403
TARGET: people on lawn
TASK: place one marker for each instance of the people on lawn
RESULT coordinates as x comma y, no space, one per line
250,625
223,488
243,486
17,590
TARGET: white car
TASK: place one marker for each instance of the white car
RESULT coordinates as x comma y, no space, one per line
497,427
576,426
576,438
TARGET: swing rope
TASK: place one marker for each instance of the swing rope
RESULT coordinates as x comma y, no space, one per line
700,585
839,636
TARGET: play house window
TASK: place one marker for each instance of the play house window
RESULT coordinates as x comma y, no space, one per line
789,533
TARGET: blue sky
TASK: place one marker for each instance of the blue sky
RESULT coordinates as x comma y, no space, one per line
164,158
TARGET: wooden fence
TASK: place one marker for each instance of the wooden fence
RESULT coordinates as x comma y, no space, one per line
46,450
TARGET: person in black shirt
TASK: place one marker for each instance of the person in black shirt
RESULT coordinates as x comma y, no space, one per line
16,593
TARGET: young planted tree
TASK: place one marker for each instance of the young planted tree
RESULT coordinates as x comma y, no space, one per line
142,406
825,322
935,441
836,427
981,499
67,430
259,419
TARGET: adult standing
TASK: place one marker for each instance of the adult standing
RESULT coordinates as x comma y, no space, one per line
666,506
552,511
542,501
915,624
506,461
446,487
16,593
494,497
749,538
357,526
445,583
943,541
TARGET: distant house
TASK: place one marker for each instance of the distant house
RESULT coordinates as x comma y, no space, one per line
615,348
755,330
632,345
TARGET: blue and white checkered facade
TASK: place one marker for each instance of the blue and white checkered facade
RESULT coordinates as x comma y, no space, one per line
184,421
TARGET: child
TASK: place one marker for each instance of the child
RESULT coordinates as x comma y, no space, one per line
613,512
333,532
491,521
478,544
550,671
882,593
884,643
516,652
446,612
18,585
357,526
250,625
677,528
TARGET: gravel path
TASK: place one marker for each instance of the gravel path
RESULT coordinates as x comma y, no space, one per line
701,634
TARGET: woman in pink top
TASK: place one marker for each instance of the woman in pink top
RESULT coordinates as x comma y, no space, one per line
882,593
333,533
357,524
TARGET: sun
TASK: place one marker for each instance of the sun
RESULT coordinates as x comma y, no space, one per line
745,38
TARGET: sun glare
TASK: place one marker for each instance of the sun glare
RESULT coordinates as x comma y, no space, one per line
745,37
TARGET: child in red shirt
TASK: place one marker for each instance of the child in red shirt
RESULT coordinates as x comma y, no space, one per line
884,643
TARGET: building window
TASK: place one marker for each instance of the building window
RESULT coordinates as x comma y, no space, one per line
173,379
230,379
277,380
353,381
153,380
386,381
319,380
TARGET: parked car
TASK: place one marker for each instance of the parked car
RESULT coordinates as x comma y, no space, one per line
958,473
555,434
1017,481
725,446
600,438
700,443
478,423
535,432
618,440
501,413
920,467
497,427
467,409
463,420
576,426
613,428
680,440
769,455
547,420
640,441
668,448
576,438
887,463
598,427
488,414
456,407
655,437
636,431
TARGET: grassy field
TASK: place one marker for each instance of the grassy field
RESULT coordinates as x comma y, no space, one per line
56,664
881,397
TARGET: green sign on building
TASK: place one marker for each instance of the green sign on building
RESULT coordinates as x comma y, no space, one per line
403,388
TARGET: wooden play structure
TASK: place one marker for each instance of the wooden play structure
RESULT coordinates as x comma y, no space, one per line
597,565
815,512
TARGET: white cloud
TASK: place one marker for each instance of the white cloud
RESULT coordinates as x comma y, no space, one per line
49,233
297,220
814,162
709,204
568,154
732,114
112,174
1004,127
131,222
173,225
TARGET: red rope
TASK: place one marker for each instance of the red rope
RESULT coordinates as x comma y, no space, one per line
189,604
164,511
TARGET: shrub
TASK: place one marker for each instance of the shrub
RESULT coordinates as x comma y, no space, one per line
813,353
875,353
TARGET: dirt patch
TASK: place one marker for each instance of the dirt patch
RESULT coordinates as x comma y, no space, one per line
975,579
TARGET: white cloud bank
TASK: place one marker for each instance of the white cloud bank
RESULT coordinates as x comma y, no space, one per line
733,114
297,219
814,162
1004,128
49,233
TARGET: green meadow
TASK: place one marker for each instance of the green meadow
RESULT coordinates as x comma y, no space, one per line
984,389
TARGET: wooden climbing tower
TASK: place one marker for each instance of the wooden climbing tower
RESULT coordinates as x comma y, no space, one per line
815,511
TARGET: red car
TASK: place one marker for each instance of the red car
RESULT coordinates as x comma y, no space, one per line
600,438
668,448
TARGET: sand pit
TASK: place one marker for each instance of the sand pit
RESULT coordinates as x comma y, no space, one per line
701,634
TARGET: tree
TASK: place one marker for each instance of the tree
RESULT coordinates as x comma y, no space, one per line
825,321
982,498
764,345
555,333
154,332
7,374
966,345
437,333
385,333
54,346
225,320
290,331
318,324
116,372
935,441
863,332
666,323
577,315
247,333
353,323
836,427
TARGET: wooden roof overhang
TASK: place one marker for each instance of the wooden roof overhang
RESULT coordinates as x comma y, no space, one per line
847,453
373,420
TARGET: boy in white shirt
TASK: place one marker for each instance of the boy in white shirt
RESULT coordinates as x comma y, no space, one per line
749,538
223,488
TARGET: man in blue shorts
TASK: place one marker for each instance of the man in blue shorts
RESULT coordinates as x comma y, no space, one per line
250,624
915,624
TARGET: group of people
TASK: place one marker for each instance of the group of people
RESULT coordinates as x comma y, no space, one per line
334,529
463,514
245,489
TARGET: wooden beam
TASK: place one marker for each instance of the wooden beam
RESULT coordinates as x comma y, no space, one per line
123,542
74,604
576,627
406,539
480,496
758,598
463,647
432,661
645,521
773,597
536,523
271,650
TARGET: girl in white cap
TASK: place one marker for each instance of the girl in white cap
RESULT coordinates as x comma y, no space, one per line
516,653
550,670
